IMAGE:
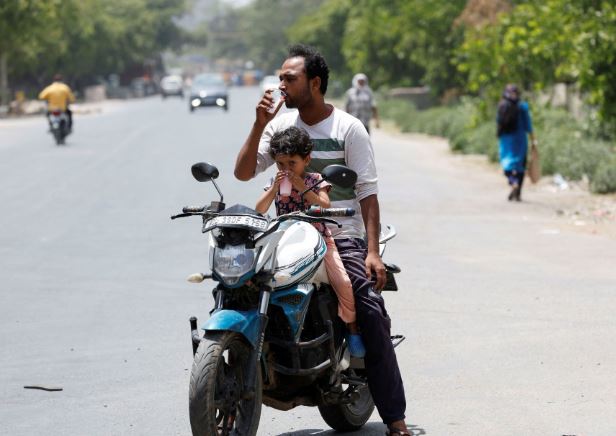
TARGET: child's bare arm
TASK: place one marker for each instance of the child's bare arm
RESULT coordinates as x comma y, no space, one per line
266,199
320,199
268,196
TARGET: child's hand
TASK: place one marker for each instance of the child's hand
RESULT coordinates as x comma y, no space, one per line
297,182
279,176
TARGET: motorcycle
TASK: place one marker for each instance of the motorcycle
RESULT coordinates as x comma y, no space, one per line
273,336
58,125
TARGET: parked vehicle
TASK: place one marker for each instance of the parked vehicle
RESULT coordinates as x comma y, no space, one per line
143,87
58,125
273,336
209,89
172,85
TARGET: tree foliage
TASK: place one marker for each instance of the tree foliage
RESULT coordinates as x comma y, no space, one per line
538,44
256,32
395,42
403,42
325,28
475,46
85,39
265,25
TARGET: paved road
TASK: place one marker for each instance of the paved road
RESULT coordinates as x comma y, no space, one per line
508,312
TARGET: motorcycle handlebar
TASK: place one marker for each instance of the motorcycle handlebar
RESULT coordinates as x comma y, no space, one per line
332,211
193,209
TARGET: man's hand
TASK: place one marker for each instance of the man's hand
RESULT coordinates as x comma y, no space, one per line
246,161
374,263
264,115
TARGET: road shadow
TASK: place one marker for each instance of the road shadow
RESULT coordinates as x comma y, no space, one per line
370,429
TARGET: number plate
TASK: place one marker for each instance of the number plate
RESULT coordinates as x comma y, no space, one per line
236,220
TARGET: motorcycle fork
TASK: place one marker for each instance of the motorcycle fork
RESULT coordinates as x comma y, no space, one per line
255,353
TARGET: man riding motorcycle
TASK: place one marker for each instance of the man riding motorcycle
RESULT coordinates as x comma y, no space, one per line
58,96
338,138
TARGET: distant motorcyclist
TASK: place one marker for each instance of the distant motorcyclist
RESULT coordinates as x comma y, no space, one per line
58,96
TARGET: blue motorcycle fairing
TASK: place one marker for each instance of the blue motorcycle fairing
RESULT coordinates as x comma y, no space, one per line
245,323
294,303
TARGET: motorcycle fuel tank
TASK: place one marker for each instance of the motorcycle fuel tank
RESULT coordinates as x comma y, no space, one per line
298,255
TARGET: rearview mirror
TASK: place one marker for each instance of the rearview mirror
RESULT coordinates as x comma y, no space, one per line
204,172
340,175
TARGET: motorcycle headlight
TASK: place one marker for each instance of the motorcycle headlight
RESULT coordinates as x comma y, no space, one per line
234,264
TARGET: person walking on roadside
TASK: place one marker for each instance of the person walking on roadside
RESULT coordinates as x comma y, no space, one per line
513,126
360,101
340,138
58,96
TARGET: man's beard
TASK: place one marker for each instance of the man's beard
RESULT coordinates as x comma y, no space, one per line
300,100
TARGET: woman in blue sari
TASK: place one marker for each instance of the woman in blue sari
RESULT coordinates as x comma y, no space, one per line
513,126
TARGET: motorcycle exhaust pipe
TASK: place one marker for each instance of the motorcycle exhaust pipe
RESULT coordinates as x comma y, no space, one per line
194,333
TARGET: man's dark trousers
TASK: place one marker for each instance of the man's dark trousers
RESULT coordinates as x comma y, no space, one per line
382,368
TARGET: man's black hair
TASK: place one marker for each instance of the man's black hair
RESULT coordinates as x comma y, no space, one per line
314,63
291,141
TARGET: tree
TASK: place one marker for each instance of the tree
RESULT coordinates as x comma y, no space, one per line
404,42
325,29
532,46
84,39
256,32
597,58
538,44
24,25
265,23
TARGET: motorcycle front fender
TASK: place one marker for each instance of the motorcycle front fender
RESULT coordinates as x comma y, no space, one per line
245,323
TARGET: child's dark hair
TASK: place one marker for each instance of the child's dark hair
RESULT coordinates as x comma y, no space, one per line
291,141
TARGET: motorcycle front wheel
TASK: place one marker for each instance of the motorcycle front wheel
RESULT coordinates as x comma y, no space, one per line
215,401
349,417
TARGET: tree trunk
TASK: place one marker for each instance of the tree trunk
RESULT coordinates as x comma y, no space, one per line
4,79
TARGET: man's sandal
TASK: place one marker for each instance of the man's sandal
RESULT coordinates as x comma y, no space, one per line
391,431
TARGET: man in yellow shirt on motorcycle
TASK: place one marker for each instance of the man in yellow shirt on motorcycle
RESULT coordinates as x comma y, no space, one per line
58,96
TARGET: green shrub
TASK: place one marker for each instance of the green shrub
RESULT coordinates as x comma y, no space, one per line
566,148
565,145
399,111
577,159
604,179
482,139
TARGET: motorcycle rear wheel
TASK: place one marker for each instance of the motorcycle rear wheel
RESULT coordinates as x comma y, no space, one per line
59,137
216,382
349,417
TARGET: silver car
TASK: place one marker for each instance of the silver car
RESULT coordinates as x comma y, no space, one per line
209,89
172,85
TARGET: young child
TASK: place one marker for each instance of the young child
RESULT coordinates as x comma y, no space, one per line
291,149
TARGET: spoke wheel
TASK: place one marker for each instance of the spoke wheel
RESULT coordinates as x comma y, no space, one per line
216,402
